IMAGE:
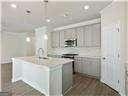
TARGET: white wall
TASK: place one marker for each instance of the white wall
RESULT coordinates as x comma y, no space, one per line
14,45
41,41
127,29
31,44
113,13
0,46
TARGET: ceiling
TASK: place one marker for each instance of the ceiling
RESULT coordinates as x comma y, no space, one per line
17,20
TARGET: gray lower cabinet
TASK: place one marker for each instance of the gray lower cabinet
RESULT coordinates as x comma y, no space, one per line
89,66
126,83
67,77
78,65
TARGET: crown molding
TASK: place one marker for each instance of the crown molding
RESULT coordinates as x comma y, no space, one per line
78,24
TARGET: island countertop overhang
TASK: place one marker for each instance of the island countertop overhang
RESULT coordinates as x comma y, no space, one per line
49,62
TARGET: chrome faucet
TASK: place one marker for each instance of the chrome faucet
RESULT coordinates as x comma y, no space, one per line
40,53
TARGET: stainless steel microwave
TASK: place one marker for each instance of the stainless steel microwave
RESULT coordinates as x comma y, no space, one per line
71,43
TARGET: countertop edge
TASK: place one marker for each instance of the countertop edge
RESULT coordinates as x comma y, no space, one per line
51,67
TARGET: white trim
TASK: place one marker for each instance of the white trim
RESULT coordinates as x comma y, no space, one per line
78,24
16,79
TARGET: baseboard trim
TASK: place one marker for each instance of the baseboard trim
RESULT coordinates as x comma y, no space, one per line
16,79
122,94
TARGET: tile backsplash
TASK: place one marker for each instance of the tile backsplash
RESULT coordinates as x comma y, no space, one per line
81,51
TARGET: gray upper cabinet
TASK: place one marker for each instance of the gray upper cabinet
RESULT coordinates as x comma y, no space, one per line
87,36
80,36
92,35
62,39
96,35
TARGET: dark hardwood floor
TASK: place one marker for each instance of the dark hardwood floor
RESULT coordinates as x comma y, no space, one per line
83,86
87,86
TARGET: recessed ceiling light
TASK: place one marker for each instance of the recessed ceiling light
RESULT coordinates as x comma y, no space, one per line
28,39
13,6
48,20
86,7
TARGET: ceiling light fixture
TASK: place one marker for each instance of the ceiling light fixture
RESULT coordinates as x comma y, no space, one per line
45,11
13,5
45,37
86,7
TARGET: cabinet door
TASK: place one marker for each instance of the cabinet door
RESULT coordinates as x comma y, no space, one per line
80,36
78,64
55,39
91,66
86,66
52,39
96,67
96,35
69,34
62,40
75,64
88,36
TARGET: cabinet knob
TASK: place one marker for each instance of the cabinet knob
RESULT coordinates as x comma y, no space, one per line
104,58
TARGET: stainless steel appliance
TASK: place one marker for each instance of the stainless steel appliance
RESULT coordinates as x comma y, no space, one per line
71,43
71,56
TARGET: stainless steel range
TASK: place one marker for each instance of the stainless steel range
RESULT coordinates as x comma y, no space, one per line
71,56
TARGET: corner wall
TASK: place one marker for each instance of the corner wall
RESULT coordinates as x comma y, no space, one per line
0,46
14,45
127,28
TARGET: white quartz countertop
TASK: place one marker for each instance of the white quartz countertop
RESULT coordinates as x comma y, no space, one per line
83,55
50,62
89,56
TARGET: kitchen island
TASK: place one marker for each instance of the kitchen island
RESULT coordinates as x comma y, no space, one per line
50,76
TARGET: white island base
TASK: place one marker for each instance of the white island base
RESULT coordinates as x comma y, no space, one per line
44,75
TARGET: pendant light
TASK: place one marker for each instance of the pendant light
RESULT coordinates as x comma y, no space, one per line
46,11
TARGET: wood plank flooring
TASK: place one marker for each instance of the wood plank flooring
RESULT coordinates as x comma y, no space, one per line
83,86
88,86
